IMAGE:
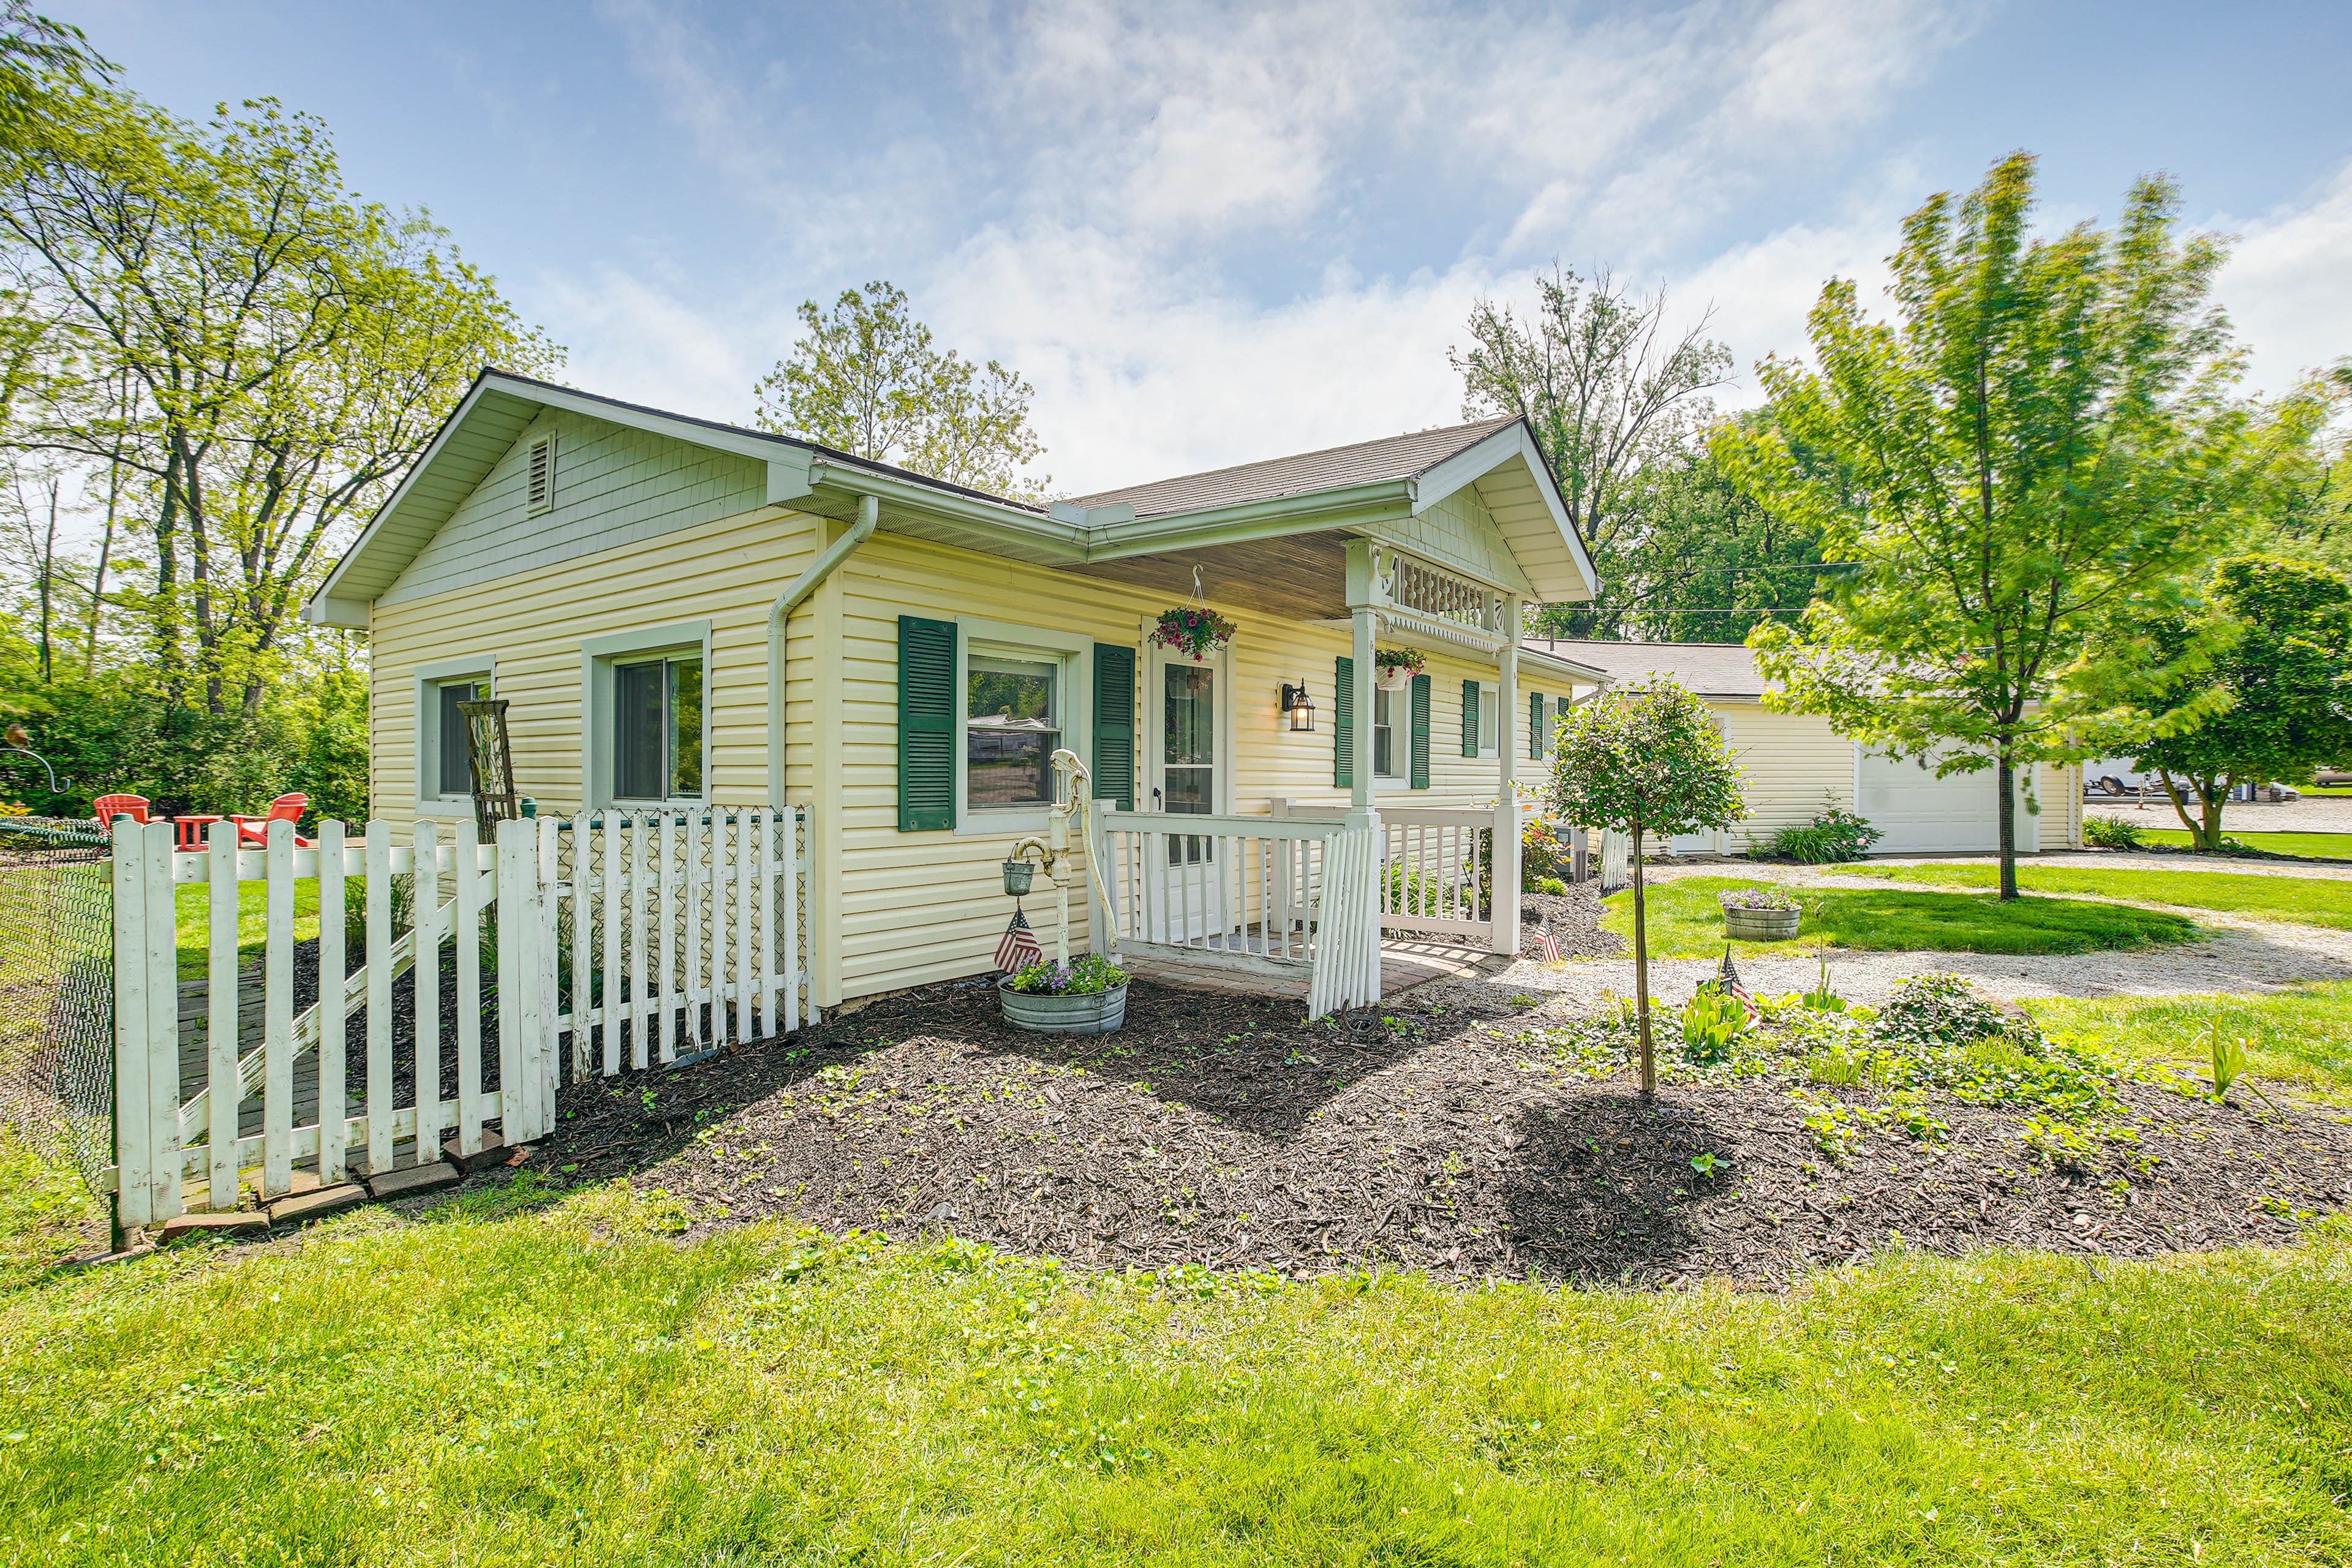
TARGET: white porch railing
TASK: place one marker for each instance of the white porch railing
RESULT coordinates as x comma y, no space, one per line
689,925
1256,894
1429,872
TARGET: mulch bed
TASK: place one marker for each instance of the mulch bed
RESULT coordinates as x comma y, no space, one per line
1226,1131
1573,920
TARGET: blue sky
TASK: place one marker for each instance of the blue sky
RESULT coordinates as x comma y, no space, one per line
1212,234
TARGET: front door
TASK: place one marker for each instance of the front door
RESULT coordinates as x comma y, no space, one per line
1188,779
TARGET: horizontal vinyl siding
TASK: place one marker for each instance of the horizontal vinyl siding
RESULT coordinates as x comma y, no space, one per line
1795,767
614,486
921,907
726,572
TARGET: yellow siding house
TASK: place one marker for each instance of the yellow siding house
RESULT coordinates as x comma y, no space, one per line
685,616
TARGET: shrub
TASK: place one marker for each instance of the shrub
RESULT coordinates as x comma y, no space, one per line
1835,835
1939,1009
1088,975
1544,855
1552,885
1757,898
2111,833
1711,1022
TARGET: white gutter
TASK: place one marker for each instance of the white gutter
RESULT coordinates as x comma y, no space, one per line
869,509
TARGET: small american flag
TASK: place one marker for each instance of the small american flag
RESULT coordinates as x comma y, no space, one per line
1019,949
1547,945
1727,978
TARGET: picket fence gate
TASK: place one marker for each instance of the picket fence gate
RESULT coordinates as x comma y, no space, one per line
617,939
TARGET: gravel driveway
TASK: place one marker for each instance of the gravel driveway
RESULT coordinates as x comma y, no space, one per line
2244,955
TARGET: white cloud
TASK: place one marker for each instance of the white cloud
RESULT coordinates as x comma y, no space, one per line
1141,374
1126,153
636,340
2285,285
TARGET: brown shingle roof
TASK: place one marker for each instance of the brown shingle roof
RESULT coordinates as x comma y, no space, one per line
1365,462
1708,668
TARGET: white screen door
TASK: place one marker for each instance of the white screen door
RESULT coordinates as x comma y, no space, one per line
1187,748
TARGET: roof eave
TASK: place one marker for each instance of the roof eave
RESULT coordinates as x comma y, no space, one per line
1490,452
1309,512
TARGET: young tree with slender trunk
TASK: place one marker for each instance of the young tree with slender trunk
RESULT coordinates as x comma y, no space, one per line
1645,761
2024,467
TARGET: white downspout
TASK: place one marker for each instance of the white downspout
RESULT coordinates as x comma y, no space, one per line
817,571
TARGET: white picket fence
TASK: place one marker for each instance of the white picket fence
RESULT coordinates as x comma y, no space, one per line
678,931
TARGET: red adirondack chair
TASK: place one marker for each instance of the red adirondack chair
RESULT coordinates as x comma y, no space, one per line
253,832
107,808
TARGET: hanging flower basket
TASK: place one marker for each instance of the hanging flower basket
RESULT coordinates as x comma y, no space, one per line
1195,629
1394,667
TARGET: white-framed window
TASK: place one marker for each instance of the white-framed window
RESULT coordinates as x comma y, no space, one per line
1013,718
1023,696
444,783
657,726
1490,719
1392,734
646,700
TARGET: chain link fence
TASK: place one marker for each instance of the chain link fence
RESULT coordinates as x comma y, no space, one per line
57,990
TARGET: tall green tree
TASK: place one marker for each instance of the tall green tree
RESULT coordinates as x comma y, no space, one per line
1645,761
1611,390
253,350
2023,468
2282,630
1699,562
866,379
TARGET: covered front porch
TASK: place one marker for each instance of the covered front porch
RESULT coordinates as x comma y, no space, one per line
1344,904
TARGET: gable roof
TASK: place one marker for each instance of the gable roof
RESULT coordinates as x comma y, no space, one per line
1362,462
1726,670
1359,487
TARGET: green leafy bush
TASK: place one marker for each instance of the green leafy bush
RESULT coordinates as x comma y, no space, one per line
1712,1021
1552,885
1836,835
2111,833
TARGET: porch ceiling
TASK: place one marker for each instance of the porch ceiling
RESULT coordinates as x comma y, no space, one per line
1301,577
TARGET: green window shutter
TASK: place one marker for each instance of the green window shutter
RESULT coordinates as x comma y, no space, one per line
1420,732
1343,728
1469,717
1534,725
927,724
1114,763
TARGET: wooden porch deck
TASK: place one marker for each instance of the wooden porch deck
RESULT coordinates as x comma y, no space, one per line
1404,963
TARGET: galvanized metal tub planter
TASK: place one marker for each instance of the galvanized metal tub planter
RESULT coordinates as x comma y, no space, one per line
1773,918
1046,1012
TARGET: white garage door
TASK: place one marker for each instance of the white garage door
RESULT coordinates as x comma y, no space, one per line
1921,813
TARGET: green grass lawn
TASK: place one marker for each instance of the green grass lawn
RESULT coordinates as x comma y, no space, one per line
532,1377
2302,1037
192,908
1684,921
2324,846
2313,901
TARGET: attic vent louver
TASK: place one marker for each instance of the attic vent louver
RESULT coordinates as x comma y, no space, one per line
541,486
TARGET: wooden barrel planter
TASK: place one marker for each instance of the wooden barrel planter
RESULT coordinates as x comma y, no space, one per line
1760,925
1087,1013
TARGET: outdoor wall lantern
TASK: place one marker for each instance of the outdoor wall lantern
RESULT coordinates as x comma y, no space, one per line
1301,707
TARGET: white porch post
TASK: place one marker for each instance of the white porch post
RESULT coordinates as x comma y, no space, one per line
1362,902
1508,731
